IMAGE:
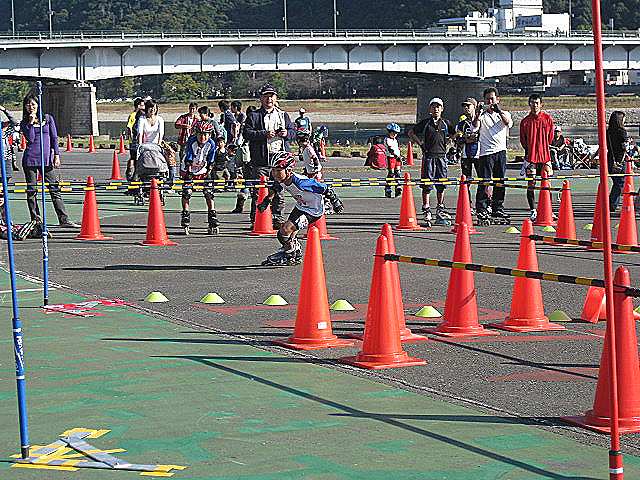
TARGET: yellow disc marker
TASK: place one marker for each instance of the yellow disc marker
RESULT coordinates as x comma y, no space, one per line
156,297
341,306
428,312
559,316
588,227
275,300
211,298
512,230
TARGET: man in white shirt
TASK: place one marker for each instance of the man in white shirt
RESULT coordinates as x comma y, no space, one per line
494,124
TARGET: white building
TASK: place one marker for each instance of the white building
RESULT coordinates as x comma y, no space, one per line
476,23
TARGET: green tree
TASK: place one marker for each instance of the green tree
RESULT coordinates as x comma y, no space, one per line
280,84
181,87
12,91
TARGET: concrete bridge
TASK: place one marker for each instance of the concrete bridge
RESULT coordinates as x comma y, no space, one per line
87,56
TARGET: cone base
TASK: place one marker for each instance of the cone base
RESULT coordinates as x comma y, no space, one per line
405,336
595,249
455,332
313,344
168,243
542,223
541,325
263,234
92,237
379,362
472,230
589,320
409,228
623,251
602,424
116,178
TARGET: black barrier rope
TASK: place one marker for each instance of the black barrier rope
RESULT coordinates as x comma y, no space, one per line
584,243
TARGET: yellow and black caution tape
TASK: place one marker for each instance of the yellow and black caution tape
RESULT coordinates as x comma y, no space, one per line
584,243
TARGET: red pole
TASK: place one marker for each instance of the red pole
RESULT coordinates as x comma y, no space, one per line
616,471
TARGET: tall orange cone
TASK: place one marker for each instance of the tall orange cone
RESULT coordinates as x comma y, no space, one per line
463,208
263,221
381,347
23,142
156,227
527,310
596,232
90,220
627,369
461,308
115,168
313,324
408,220
410,161
69,147
321,225
545,209
594,307
628,179
121,149
92,147
627,231
566,221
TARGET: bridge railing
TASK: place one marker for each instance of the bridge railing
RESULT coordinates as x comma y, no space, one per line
295,34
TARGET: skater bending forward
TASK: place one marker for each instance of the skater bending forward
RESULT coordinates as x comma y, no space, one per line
197,165
309,195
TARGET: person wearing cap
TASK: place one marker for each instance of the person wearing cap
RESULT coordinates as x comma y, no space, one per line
467,139
493,125
302,122
536,136
559,151
268,130
432,134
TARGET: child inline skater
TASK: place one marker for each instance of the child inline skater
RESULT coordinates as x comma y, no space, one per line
394,159
310,159
196,165
309,195
221,161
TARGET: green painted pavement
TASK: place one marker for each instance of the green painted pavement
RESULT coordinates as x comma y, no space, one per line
227,410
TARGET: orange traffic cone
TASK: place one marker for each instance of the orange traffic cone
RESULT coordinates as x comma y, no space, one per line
90,220
381,347
594,307
115,168
39,178
156,227
408,220
627,369
321,225
323,148
92,147
628,179
545,209
596,231
23,142
566,222
461,308
313,324
121,149
527,310
463,208
627,231
410,160
263,222
69,144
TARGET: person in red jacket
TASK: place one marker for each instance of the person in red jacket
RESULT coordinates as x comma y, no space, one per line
536,134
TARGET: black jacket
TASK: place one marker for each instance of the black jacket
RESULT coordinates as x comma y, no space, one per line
256,134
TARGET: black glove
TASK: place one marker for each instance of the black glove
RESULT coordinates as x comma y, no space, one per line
264,204
496,107
336,203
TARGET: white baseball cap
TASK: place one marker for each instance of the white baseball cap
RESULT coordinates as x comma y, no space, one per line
437,100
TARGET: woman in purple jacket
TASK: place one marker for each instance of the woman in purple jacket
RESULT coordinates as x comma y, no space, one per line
32,160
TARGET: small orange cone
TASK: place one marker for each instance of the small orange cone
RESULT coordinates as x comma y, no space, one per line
92,147
323,148
594,307
463,208
410,160
527,310
628,179
23,142
90,220
460,317
156,227
313,324
545,209
566,221
69,147
627,231
321,225
596,232
263,222
408,220
121,149
627,369
115,168
381,347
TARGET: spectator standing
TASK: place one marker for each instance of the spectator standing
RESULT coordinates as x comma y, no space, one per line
132,135
433,134
240,117
493,123
34,157
8,128
303,122
536,135
184,124
268,130
151,126
467,138
228,121
617,142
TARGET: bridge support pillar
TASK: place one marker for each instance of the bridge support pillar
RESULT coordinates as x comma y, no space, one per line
452,91
74,108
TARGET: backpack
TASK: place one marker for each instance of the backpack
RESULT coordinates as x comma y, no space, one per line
377,156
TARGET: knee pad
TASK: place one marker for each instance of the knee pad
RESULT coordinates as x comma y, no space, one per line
208,193
187,192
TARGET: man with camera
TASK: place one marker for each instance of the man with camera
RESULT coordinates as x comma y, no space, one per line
493,123
268,130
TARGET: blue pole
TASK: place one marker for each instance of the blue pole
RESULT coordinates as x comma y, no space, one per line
45,232
17,325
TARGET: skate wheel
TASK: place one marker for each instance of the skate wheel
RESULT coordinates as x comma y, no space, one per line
186,230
